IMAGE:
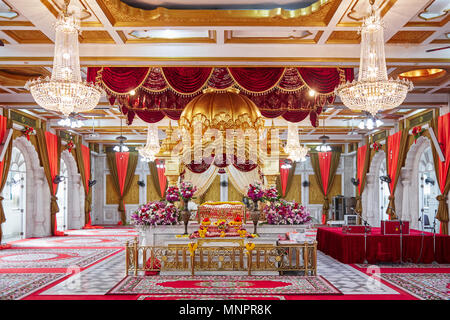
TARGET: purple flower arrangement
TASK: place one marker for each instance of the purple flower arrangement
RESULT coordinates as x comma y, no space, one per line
255,192
155,213
284,212
271,194
187,190
173,194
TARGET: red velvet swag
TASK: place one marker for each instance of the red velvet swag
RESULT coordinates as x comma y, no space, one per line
165,91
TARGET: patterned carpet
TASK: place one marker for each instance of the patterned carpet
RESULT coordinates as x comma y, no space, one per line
75,241
426,286
403,265
243,285
49,258
14,286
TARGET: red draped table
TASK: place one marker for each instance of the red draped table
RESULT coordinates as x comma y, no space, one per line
349,248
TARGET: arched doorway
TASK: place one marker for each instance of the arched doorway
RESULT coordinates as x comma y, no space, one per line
14,195
428,191
62,195
383,193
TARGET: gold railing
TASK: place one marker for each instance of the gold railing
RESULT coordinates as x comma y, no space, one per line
293,257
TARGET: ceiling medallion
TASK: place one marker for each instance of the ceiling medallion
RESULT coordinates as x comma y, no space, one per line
373,91
65,92
152,147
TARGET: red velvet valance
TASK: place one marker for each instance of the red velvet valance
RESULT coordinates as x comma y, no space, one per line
166,91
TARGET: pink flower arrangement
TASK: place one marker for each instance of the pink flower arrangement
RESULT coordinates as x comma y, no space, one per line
255,192
271,194
284,212
155,213
173,194
187,190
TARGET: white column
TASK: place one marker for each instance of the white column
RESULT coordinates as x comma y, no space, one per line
74,203
41,214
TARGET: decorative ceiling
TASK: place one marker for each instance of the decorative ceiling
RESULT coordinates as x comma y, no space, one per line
233,33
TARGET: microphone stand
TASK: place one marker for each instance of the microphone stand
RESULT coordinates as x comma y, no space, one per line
366,224
434,237
401,240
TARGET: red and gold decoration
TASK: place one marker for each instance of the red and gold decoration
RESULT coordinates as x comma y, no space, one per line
28,131
70,145
152,93
376,146
417,132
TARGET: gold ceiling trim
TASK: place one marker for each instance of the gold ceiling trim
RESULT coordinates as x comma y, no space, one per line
212,38
122,15
426,10
428,23
229,38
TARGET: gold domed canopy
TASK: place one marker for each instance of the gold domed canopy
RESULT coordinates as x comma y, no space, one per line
222,110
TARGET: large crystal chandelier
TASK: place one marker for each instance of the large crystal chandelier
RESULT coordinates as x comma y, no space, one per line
296,152
373,91
65,92
149,151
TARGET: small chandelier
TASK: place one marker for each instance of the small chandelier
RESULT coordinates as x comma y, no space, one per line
296,152
373,91
324,147
71,123
149,151
121,147
65,92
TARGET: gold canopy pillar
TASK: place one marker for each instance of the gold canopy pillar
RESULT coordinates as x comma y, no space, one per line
171,161
270,156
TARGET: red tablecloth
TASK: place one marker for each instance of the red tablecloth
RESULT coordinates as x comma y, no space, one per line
349,248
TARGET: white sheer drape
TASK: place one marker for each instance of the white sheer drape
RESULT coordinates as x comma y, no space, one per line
201,180
241,180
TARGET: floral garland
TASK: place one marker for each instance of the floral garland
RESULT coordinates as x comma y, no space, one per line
417,132
28,131
70,145
285,212
376,146
155,213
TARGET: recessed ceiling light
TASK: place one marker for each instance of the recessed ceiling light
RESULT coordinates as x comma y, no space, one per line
423,74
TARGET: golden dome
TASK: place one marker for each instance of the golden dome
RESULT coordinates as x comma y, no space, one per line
221,110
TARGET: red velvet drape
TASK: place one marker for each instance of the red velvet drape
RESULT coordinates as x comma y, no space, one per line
52,151
257,79
160,167
444,142
123,79
122,166
323,80
325,163
393,156
284,174
186,80
360,159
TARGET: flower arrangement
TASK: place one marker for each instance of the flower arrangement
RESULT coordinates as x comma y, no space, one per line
155,213
28,131
187,190
376,146
172,194
70,145
285,212
221,224
417,132
255,192
236,222
271,194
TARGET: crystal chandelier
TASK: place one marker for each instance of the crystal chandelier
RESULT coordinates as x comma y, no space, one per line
71,123
149,151
296,152
324,147
373,91
65,92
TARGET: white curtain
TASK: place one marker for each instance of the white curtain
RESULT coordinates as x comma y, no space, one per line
201,180
241,180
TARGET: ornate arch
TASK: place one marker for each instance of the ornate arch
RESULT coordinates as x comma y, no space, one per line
410,179
370,196
75,201
37,223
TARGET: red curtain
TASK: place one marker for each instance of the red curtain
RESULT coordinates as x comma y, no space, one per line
444,142
123,79
52,151
257,79
360,159
323,80
160,167
393,156
324,164
187,80
122,166
284,174
87,163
